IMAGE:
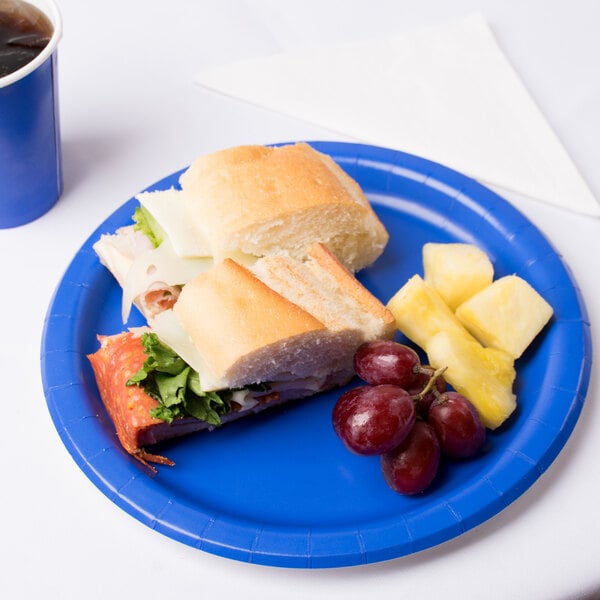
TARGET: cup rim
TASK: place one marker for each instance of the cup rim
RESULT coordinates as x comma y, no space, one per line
52,11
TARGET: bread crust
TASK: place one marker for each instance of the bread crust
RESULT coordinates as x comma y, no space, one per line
255,183
231,312
350,286
247,194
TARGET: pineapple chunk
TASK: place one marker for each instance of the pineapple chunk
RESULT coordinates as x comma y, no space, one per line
508,314
456,271
483,375
420,312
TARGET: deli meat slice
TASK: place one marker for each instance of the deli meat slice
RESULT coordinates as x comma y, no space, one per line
118,359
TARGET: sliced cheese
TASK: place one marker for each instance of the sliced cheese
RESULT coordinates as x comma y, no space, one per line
245,398
159,265
167,327
117,251
172,214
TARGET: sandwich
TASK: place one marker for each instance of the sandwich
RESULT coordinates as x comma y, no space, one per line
237,340
241,203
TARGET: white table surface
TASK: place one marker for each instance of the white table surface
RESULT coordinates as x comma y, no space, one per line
131,115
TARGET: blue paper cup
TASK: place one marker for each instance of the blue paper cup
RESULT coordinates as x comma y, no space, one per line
30,153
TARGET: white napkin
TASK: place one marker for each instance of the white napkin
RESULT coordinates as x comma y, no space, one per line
446,93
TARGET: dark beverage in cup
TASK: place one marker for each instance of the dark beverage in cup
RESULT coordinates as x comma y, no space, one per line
30,149
24,33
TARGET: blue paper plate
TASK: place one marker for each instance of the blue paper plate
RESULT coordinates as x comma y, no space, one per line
279,488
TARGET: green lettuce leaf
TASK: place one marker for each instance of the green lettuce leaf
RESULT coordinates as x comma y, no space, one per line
148,225
176,386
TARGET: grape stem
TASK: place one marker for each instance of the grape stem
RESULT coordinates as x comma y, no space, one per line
430,384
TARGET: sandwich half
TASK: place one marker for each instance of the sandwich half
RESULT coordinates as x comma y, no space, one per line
242,203
237,340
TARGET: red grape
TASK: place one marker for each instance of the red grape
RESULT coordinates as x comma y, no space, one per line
345,404
386,362
457,425
373,419
411,467
422,379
